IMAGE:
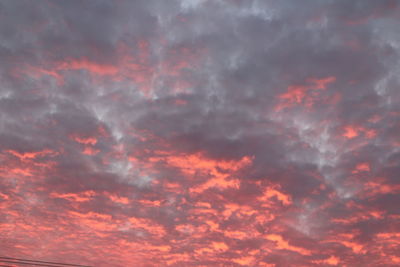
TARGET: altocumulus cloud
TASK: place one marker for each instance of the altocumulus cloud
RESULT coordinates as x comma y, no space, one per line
200,133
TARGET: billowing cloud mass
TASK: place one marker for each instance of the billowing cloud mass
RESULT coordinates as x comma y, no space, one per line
200,132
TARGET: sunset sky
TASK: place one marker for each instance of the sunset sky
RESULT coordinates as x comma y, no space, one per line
200,132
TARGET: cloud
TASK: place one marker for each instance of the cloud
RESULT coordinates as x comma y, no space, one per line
237,133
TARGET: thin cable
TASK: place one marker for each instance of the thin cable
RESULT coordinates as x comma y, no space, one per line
30,263
45,263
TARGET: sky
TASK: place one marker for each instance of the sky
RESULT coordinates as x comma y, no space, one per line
200,132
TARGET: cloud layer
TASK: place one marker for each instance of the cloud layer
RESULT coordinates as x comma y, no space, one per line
200,133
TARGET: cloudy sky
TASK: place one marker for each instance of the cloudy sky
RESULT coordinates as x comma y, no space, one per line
200,132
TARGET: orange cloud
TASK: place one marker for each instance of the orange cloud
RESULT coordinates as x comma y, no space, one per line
91,66
85,140
148,225
362,167
32,155
271,192
80,197
90,151
303,94
219,246
352,131
118,199
283,244
219,171
245,261
332,260
379,187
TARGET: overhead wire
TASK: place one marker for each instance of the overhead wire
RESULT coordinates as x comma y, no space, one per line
31,262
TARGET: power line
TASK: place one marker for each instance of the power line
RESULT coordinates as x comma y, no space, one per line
31,263
36,262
